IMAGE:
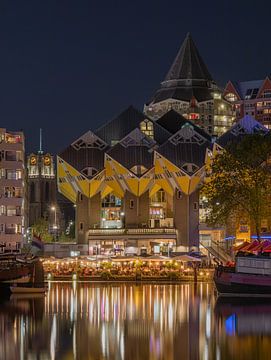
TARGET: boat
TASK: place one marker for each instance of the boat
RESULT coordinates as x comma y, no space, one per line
36,284
249,276
27,290
12,271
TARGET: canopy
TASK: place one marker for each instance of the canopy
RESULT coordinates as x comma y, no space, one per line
156,258
241,246
186,258
254,246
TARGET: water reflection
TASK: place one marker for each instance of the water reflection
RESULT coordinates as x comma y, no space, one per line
83,321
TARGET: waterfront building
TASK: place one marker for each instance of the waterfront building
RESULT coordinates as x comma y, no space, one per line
251,98
135,183
189,89
13,214
42,189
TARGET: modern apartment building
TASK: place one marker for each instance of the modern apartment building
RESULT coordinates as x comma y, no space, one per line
135,183
251,98
189,89
12,190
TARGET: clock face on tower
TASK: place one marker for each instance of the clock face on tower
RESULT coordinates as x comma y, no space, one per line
47,160
33,160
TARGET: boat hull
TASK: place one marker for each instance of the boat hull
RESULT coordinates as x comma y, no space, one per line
27,290
238,284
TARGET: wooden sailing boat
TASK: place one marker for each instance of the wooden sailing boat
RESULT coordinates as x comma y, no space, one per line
36,286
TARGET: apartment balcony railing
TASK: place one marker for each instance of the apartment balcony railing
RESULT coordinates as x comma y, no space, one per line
143,231
10,231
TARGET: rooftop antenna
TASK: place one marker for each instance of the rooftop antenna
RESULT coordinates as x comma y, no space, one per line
40,150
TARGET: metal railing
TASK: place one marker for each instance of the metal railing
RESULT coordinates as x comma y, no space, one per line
143,231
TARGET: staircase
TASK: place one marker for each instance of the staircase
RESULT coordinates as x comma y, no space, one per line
217,252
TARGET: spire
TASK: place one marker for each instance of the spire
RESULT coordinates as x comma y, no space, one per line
188,63
40,150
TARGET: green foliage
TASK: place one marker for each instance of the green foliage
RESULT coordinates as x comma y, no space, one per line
238,183
41,229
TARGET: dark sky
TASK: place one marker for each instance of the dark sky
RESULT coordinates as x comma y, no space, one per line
68,66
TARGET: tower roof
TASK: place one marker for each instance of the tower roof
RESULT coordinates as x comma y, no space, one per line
188,63
187,78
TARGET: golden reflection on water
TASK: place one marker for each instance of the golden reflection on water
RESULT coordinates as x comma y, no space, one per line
128,321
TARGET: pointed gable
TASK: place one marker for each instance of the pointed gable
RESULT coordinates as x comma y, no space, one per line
266,86
231,88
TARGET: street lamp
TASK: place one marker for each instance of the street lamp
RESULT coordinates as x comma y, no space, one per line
53,208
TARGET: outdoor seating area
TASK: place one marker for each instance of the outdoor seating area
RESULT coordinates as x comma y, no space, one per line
155,267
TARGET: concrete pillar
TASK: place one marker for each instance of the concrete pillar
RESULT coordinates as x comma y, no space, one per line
186,218
88,214
136,209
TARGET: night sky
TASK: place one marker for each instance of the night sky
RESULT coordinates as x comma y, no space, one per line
68,66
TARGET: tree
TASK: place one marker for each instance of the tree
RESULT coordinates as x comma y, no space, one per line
41,230
238,183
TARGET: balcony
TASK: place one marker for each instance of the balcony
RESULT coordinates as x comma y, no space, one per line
134,233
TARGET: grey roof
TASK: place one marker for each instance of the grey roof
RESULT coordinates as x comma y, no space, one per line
121,125
245,88
83,158
188,77
173,122
134,149
188,63
187,146
247,125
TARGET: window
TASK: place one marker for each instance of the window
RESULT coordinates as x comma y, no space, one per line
81,226
13,210
13,139
147,128
267,93
195,206
14,174
131,205
231,97
190,168
89,171
138,169
80,197
178,194
32,193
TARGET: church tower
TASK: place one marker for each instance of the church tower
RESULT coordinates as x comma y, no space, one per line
42,187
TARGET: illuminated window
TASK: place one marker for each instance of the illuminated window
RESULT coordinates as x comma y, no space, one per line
193,116
231,97
217,96
147,128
